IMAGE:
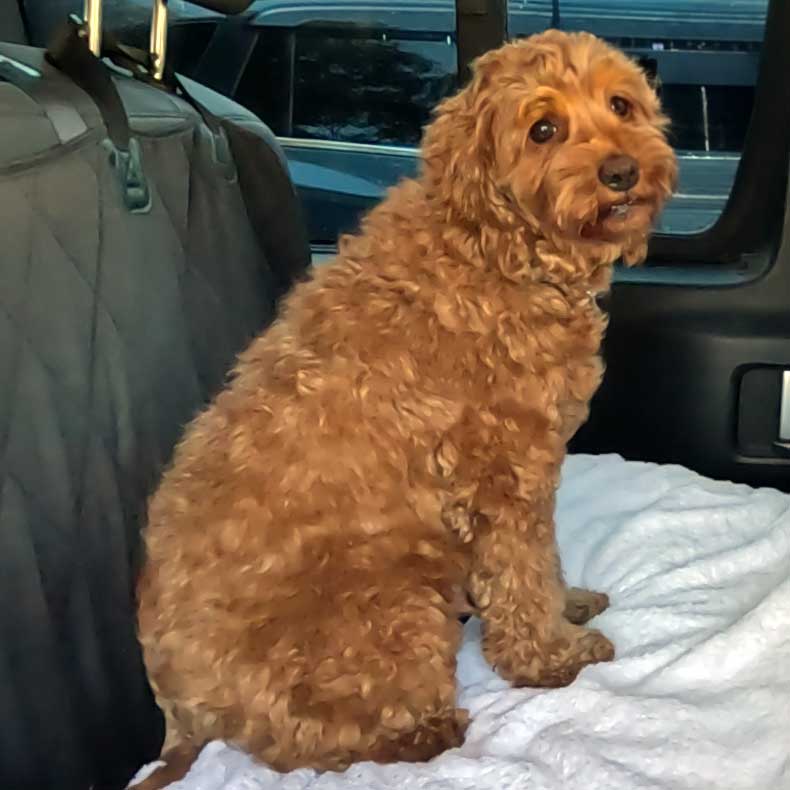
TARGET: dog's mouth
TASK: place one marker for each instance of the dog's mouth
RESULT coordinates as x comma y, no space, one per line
620,215
620,210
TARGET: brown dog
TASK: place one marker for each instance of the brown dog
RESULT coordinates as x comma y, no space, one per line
394,441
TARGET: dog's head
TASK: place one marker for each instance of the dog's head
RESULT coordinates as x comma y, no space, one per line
561,132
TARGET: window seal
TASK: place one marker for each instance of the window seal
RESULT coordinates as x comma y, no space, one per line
480,25
754,212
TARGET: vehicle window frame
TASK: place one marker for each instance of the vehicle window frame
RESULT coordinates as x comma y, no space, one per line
742,236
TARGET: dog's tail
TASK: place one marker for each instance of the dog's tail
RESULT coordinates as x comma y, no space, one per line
177,762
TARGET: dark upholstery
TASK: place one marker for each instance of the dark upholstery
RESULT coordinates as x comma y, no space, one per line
114,329
12,28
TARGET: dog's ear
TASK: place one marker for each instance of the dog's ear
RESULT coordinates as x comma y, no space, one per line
458,147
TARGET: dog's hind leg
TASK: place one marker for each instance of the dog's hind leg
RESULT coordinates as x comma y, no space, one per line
368,675
425,741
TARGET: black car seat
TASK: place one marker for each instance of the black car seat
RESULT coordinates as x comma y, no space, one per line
12,28
129,279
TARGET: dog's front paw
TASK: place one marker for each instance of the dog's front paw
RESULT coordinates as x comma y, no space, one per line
554,663
592,647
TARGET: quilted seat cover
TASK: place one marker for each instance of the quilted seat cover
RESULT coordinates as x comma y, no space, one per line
115,328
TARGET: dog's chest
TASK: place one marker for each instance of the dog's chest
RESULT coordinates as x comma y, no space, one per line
549,337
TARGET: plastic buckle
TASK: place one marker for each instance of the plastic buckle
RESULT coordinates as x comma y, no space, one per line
129,168
222,154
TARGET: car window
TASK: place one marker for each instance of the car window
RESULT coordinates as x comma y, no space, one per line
353,74
369,75
349,87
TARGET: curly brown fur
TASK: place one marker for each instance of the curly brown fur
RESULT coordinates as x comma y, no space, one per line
394,441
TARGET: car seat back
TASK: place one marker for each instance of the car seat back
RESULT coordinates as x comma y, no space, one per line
129,279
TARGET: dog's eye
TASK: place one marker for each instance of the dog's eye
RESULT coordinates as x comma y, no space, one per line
542,131
620,106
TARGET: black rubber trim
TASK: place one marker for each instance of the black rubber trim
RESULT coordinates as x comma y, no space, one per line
755,208
480,25
230,7
23,15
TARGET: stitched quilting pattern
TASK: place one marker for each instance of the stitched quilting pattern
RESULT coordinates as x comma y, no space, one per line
114,330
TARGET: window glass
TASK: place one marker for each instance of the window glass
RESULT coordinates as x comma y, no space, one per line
375,86
388,87
328,77
366,76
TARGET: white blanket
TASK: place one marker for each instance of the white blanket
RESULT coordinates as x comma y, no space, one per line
699,696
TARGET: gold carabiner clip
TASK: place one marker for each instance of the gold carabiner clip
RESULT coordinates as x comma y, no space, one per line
158,42
91,18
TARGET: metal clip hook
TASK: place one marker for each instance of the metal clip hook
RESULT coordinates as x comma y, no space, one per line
92,19
158,40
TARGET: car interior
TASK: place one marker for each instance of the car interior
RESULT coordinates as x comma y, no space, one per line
160,192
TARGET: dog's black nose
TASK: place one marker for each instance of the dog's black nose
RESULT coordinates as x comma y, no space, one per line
619,172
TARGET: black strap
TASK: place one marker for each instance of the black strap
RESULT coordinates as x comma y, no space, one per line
273,207
138,62
70,54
